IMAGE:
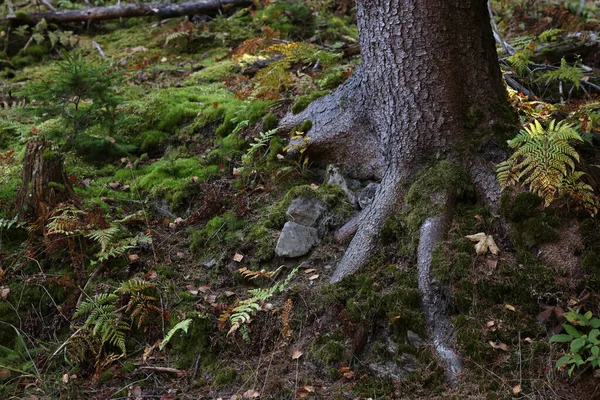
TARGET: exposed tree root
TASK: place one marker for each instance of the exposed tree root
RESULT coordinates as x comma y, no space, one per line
434,301
372,219
341,132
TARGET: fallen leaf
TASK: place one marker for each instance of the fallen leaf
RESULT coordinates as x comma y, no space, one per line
228,293
195,179
65,378
313,186
310,271
312,278
137,49
163,59
4,291
238,257
204,288
516,390
133,258
484,243
349,374
280,156
296,354
509,307
111,139
192,289
498,346
491,263
305,391
179,220
489,324
528,340
251,394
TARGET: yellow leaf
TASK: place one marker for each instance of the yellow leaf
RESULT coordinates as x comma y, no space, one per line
238,257
509,307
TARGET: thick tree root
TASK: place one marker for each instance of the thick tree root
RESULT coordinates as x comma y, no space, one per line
434,303
372,219
341,133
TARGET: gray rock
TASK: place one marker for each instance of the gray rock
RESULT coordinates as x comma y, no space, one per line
413,339
305,211
367,195
333,176
296,240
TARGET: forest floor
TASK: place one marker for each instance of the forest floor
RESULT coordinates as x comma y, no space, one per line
160,279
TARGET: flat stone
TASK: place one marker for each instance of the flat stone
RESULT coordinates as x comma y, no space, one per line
296,240
413,339
306,211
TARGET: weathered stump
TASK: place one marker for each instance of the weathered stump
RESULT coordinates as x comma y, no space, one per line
45,183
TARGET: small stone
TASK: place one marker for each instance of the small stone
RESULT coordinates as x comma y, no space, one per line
305,211
367,195
334,177
296,240
414,339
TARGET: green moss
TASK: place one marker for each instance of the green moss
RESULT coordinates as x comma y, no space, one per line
303,101
171,178
107,375
441,178
261,242
151,140
98,150
197,343
291,18
270,122
56,186
214,72
225,376
35,51
331,195
305,126
219,230
49,155
329,349
375,388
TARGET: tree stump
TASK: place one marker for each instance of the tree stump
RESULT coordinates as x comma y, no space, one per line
45,183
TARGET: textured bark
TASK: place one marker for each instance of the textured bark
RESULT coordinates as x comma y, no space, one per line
45,183
208,7
428,82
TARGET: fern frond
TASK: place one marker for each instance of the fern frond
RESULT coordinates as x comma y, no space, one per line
544,159
103,236
566,72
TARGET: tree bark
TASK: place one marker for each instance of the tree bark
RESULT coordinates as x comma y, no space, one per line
45,183
428,86
208,7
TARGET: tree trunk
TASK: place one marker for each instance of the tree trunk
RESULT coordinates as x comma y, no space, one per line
161,10
45,183
428,87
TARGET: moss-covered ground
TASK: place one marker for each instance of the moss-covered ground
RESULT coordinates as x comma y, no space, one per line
179,183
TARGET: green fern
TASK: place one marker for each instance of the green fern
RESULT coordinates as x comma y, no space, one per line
103,236
260,142
103,320
246,309
543,159
181,326
566,73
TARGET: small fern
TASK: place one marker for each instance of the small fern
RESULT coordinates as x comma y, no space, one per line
103,320
544,159
246,309
259,143
103,236
140,305
181,326
566,72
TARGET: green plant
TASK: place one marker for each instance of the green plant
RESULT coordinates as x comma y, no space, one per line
181,326
242,313
545,160
103,320
260,142
582,337
566,72
81,92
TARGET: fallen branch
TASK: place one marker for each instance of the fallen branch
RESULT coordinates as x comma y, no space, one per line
208,7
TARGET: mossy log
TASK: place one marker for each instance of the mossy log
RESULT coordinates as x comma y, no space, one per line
45,183
207,7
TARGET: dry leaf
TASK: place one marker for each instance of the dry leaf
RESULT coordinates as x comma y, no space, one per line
498,346
204,288
238,257
192,289
528,340
489,324
133,258
4,291
163,59
305,391
312,278
251,394
509,307
310,271
349,374
195,179
280,156
65,378
313,186
484,243
516,390
296,354
229,293
137,49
